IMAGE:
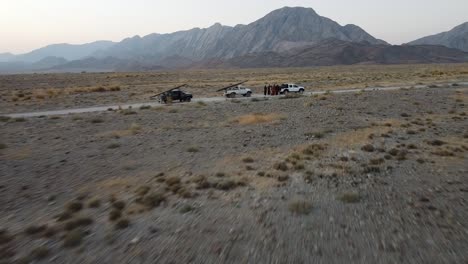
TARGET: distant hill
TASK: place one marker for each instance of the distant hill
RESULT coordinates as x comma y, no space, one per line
66,51
104,64
280,30
287,37
338,52
4,57
456,38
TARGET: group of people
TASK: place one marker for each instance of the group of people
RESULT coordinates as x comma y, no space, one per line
271,89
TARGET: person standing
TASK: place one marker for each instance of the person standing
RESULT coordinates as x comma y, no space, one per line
265,90
269,89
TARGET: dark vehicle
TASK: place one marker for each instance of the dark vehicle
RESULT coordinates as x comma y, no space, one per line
175,95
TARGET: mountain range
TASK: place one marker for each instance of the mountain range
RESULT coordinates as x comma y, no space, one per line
290,36
456,38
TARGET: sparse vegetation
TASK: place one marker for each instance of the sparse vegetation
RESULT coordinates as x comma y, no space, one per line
74,206
350,197
35,229
113,146
300,207
73,238
368,148
193,150
248,160
115,214
94,203
257,118
96,120
39,253
122,223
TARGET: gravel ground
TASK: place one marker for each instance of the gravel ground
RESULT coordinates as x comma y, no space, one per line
373,177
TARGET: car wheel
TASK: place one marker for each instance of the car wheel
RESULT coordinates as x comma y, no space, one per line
248,94
301,91
232,95
285,92
189,99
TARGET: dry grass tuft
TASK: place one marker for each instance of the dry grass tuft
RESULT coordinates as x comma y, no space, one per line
350,197
300,207
122,223
73,238
257,118
154,199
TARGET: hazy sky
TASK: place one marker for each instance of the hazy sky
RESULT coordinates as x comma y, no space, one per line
30,24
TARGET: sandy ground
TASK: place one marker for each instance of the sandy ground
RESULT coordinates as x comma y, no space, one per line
40,92
372,177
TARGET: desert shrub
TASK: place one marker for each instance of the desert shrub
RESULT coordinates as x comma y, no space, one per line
300,207
74,206
350,197
317,135
314,150
193,150
73,238
282,178
377,161
119,205
282,166
201,182
184,193
226,184
115,214
186,208
299,166
5,236
436,142
173,180
368,148
35,229
96,120
143,190
371,169
154,199
5,118
248,160
128,112
80,221
113,146
122,223
443,153
3,146
39,253
94,203
145,107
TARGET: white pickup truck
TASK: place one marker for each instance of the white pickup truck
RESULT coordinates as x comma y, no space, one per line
238,90
291,88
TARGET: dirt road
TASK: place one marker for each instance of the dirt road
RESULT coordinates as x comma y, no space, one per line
205,100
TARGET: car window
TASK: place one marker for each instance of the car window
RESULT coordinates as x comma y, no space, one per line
295,86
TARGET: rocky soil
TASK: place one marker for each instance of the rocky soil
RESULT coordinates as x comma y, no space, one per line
370,177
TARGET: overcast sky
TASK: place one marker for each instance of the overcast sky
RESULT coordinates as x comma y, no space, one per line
30,24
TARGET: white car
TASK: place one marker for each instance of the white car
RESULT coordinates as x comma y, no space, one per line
291,88
238,90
